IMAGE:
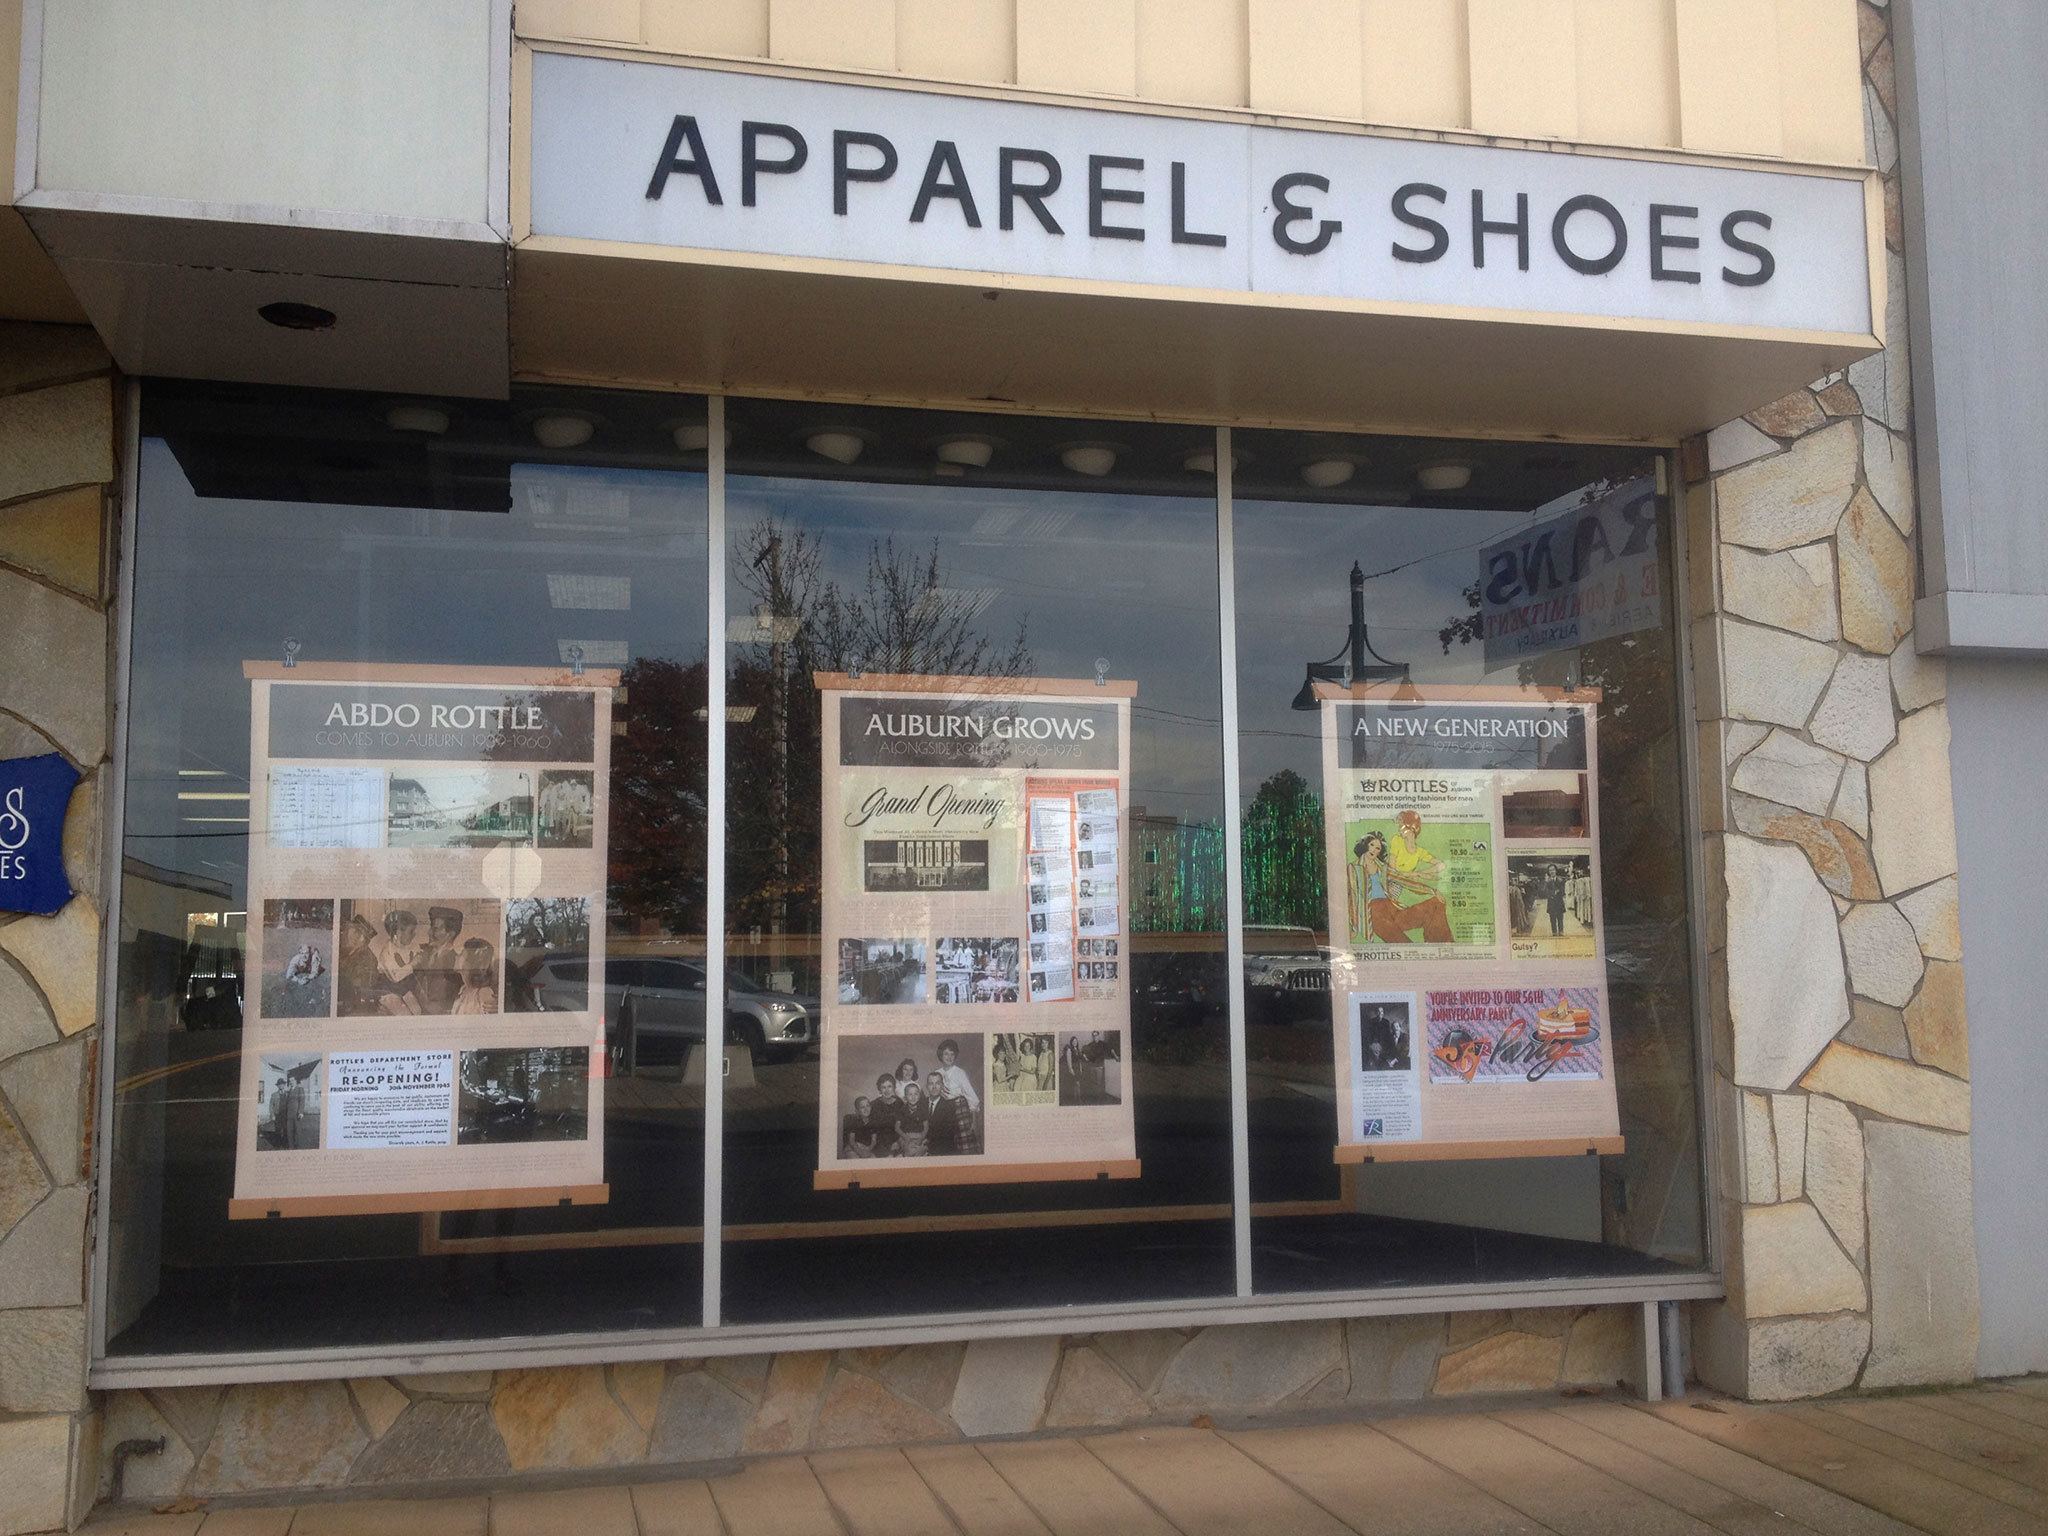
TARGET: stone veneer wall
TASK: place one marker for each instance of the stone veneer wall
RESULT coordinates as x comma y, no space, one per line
56,468
1841,1058
408,1430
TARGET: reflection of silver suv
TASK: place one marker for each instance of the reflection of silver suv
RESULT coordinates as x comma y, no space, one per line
654,1008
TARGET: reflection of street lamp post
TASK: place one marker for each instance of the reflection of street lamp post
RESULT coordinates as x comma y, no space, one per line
1349,666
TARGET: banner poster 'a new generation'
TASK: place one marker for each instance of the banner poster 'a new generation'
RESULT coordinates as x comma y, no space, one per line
1468,963
424,997
976,948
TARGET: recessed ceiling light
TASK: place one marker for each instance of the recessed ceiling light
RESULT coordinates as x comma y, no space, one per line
1446,475
971,452
950,470
1092,459
837,444
416,416
695,436
563,429
290,315
1328,474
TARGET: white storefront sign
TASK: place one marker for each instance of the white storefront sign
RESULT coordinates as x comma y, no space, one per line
724,161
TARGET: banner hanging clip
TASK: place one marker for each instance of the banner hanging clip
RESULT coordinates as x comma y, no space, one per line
291,653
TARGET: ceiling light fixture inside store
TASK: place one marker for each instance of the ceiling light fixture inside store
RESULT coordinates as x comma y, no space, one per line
695,436
562,429
413,416
967,452
839,446
1328,474
1449,475
950,470
1092,459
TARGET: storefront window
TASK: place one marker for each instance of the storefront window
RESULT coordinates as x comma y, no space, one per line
1465,906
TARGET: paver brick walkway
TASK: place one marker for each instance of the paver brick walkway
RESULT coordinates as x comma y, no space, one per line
1971,1462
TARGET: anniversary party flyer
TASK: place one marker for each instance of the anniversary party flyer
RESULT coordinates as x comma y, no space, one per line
423,1020
1467,958
975,949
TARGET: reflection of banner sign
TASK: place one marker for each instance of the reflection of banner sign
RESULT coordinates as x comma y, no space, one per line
35,792
974,933
424,993
1468,973
1590,574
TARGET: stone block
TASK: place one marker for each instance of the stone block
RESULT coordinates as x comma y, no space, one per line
1936,1022
1912,807
35,1464
1837,854
1237,1368
1393,1359
1791,1264
153,1479
1834,1170
1795,1357
1794,590
1759,1150
1874,570
57,537
1462,1328
192,1411
1735,443
1543,1320
1883,953
637,1384
1883,381
42,1260
1839,399
22,1184
1796,497
82,839
279,1435
562,1418
435,1441
925,1373
1788,1131
1004,1384
1141,1354
1874,1027
700,1419
1917,681
47,1090
1787,993
1599,1350
789,1403
65,696
463,1384
1771,676
1506,1362
745,1374
62,956
1795,415
1788,771
56,437
42,1360
1855,716
1888,472
379,1403
858,1410
1896,1089
25,1024
1923,1258
1936,920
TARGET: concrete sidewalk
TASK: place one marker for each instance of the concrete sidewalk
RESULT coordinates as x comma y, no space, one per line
1969,1461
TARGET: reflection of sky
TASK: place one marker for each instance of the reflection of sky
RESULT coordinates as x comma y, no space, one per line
1128,579
221,581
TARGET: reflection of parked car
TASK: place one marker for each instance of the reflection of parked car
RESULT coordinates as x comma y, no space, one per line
1286,976
654,1008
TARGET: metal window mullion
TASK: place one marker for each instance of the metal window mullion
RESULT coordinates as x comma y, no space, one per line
1233,872
714,867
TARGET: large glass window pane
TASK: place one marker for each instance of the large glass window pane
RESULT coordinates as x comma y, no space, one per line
1484,573
1020,1097
432,548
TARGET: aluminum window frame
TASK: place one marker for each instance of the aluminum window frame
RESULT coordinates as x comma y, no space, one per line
714,1337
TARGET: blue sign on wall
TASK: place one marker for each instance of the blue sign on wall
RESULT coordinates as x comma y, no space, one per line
34,792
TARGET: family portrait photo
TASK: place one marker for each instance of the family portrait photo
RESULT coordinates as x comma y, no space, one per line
1386,1038
567,813
288,1092
1091,1068
911,1095
1021,1070
401,958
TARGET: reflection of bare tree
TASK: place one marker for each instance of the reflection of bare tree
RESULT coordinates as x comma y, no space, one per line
659,796
568,725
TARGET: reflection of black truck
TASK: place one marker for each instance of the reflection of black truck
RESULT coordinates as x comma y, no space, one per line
1286,977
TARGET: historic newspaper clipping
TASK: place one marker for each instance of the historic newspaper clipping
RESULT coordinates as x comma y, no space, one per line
975,942
423,1019
1467,956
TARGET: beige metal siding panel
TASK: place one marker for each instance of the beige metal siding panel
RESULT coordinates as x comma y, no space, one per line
1417,63
1078,45
1524,68
1193,51
735,28
1728,86
1306,56
958,39
586,21
836,34
1628,72
1820,79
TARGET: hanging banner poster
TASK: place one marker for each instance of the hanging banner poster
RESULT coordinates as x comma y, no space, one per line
974,941
1468,972
1589,573
423,1015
